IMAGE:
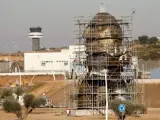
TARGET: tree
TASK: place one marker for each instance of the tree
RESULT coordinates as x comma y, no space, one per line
12,105
31,102
153,40
143,39
146,40
18,91
131,108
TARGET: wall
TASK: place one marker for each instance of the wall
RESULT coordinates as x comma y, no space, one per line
4,67
46,61
8,57
52,61
150,89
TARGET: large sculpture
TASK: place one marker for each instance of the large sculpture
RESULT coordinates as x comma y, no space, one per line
103,39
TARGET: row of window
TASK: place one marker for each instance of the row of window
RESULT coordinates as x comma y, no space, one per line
43,64
46,61
62,61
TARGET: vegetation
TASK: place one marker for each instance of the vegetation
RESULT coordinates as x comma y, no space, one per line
11,104
148,48
18,91
5,93
131,109
144,40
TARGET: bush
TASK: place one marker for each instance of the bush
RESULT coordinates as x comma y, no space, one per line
37,102
131,108
12,106
18,91
28,99
140,109
33,102
6,92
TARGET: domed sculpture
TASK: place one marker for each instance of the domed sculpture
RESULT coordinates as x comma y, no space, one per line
103,34
105,53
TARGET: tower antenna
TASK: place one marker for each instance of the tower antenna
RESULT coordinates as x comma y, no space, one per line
102,8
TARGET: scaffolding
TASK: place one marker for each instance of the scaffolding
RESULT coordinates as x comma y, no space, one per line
109,46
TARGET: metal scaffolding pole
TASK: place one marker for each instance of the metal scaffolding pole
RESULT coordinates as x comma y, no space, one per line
106,82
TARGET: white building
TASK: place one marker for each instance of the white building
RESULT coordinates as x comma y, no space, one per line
55,61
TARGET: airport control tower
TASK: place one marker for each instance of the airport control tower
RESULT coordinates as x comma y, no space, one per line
35,33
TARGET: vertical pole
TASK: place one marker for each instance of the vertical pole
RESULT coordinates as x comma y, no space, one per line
20,80
9,62
53,75
20,75
106,94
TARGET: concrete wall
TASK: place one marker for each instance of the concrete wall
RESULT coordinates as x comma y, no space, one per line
148,81
4,67
150,89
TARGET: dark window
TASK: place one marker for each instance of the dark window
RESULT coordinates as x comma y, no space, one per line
36,29
43,64
65,63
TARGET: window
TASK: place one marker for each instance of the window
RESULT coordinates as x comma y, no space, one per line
43,64
65,63
47,61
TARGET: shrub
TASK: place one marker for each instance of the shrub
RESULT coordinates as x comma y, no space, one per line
37,102
28,99
131,108
18,91
6,92
12,106
140,109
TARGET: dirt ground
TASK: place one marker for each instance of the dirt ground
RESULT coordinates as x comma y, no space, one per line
151,95
55,90
5,80
44,114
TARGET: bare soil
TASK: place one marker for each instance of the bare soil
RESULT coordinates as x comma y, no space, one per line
57,91
48,114
10,80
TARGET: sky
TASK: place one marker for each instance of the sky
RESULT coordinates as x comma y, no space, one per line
57,18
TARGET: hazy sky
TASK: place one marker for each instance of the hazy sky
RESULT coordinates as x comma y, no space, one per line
56,17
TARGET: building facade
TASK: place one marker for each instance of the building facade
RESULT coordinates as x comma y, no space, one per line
66,60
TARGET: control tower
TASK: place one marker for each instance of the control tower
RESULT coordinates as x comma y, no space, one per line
35,34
